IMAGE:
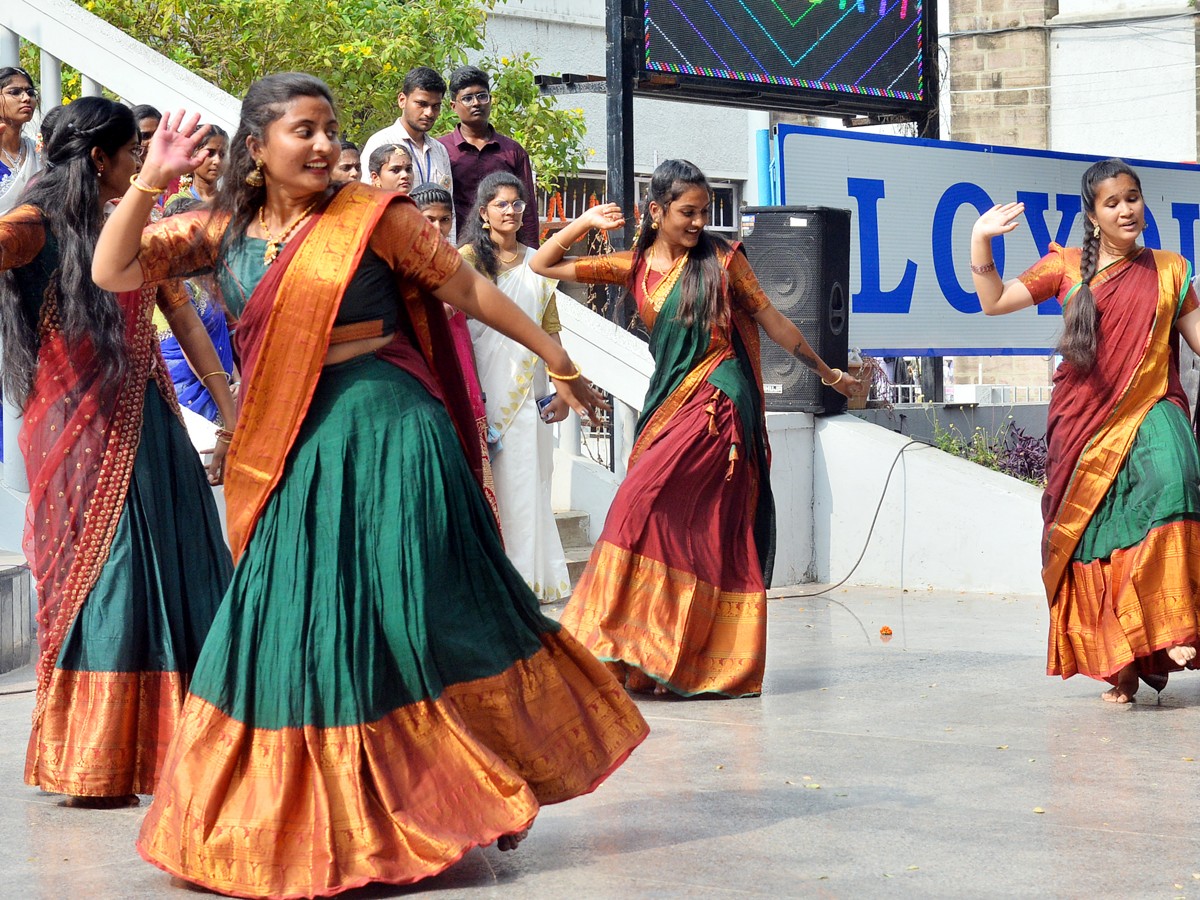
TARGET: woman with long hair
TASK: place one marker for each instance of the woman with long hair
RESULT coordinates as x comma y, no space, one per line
19,159
517,391
123,537
380,691
1121,538
674,595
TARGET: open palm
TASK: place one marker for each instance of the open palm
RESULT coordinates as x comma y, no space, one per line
173,148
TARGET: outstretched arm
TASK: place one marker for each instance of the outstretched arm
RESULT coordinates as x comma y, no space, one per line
784,332
549,259
996,297
480,299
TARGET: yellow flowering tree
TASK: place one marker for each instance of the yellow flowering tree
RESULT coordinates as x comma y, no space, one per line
361,48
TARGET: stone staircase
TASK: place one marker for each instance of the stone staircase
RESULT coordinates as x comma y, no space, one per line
573,529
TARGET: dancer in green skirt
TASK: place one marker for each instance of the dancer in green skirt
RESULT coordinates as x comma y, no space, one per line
380,692
122,536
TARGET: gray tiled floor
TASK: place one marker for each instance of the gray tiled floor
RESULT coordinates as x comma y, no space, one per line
907,769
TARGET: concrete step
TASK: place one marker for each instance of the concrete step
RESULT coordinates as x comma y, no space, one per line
573,528
577,560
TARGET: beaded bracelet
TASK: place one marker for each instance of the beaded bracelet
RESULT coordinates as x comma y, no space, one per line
841,375
135,180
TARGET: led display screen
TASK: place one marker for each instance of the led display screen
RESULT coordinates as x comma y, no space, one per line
847,48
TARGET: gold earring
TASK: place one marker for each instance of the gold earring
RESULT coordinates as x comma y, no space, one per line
487,227
1095,229
255,177
654,225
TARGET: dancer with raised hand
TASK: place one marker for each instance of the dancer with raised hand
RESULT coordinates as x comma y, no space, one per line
123,537
520,403
674,595
1121,542
380,692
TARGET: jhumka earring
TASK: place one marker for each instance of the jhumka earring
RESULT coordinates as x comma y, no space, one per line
654,226
1096,230
255,178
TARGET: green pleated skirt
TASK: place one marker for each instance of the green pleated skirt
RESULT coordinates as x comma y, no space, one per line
122,674
1159,483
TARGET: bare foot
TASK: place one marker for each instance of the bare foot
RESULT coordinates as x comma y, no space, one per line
122,802
1182,655
510,841
638,682
1126,686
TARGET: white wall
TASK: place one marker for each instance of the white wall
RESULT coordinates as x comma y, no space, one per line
945,523
1128,89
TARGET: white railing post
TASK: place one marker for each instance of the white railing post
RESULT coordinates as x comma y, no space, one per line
10,47
570,435
90,87
50,85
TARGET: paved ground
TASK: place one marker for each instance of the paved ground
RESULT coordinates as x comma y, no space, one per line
940,764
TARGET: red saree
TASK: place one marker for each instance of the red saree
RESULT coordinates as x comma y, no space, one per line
675,590
1137,598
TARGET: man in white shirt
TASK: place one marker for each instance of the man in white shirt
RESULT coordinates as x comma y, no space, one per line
420,102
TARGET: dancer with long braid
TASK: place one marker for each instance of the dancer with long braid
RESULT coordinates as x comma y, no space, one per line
1121,541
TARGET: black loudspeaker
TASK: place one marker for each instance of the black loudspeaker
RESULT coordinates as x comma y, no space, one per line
801,255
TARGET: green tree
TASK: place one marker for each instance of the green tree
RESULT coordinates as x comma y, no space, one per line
361,48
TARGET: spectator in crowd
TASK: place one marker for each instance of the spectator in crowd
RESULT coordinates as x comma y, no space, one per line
201,186
19,159
391,168
420,102
147,119
349,164
476,150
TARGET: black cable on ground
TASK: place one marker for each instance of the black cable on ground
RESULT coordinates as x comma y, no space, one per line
870,531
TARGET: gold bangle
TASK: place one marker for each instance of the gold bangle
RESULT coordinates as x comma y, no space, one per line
841,375
566,248
571,377
135,180
225,375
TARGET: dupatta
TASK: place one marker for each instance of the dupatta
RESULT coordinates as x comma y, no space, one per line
80,436
283,337
1094,416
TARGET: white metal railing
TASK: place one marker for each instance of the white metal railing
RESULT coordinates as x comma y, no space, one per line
613,359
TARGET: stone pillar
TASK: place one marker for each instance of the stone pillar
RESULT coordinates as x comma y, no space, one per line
1000,72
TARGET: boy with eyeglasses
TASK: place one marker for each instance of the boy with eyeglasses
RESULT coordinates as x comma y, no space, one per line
477,149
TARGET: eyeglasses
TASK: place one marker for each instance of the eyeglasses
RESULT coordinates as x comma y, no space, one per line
518,206
18,93
472,99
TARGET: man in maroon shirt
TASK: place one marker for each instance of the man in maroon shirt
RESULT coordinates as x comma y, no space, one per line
477,149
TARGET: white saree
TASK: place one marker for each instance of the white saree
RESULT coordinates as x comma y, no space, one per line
15,178
513,380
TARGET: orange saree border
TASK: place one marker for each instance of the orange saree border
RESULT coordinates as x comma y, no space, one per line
1104,454
292,355
1143,593
397,800
658,610
104,734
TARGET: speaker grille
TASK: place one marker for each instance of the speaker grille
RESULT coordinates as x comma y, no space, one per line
801,256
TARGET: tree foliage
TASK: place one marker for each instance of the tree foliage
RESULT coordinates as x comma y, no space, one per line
361,48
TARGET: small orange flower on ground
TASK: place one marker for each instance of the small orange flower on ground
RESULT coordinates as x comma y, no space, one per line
885,631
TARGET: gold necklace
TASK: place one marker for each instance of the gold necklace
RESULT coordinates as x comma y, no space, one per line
668,281
275,243
508,261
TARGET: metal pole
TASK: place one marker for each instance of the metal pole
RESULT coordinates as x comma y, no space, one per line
90,87
622,29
